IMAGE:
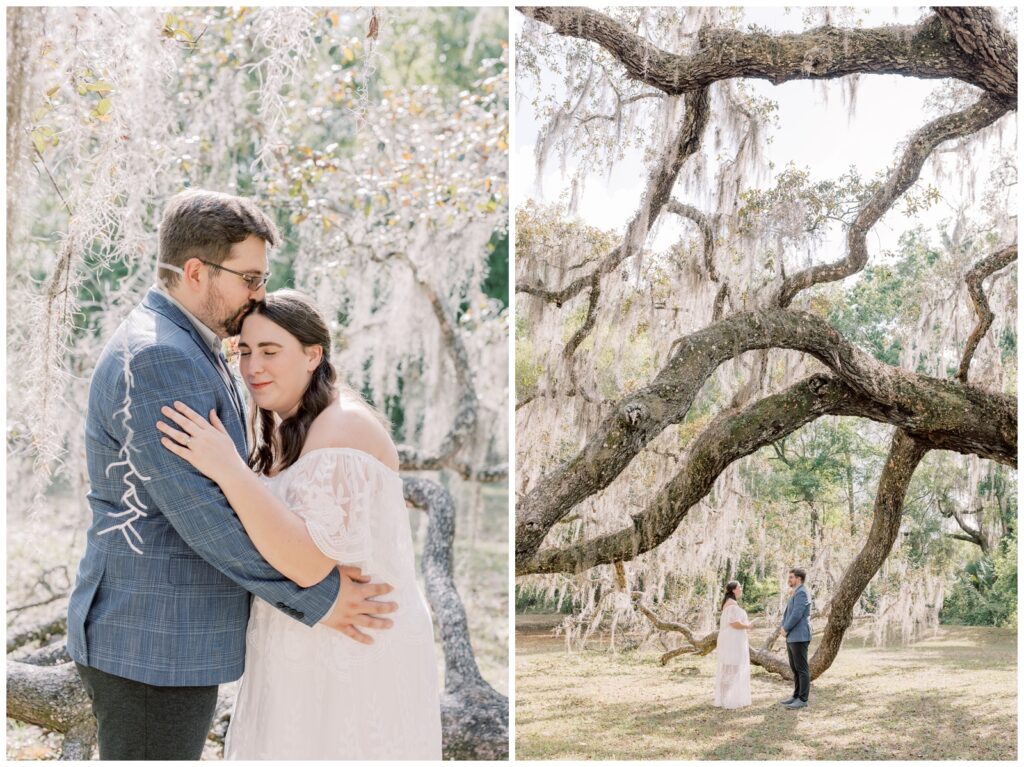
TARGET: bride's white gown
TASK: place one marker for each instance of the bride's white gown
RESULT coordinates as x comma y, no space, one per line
314,693
732,679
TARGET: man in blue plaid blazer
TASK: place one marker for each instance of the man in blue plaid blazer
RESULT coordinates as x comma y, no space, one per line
158,615
796,627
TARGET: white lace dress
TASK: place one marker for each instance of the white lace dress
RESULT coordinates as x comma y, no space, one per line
314,693
732,677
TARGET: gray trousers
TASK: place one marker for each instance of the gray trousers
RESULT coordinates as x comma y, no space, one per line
143,721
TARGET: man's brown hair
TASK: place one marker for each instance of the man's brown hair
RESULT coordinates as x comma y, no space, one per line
800,573
202,224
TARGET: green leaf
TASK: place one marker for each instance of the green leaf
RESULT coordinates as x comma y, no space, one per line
103,107
100,87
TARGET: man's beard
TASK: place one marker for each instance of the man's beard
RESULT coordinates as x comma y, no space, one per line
215,309
233,324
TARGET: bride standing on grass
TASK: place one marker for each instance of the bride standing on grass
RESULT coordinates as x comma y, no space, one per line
732,677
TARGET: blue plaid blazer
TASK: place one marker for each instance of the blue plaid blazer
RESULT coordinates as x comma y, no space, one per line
163,591
797,619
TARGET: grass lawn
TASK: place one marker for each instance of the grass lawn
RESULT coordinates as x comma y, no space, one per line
952,695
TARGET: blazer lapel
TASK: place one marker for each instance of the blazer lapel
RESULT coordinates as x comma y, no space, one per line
236,395
154,301
240,403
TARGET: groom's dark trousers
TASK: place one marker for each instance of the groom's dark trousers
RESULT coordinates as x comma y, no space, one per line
797,652
143,721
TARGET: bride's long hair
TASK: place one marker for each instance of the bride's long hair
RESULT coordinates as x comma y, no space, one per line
730,587
295,312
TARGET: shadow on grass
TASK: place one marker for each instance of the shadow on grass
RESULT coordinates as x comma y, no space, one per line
935,725
948,696
777,731
975,649
843,722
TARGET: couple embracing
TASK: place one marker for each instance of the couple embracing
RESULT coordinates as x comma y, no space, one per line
216,549
732,677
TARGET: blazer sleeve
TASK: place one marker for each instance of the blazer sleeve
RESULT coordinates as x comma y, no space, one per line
801,610
805,610
193,504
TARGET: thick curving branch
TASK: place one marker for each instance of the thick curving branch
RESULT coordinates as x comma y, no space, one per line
52,697
944,414
414,459
497,472
928,49
589,321
696,645
41,633
474,716
970,537
659,190
49,655
905,453
975,277
729,437
981,114
977,537
990,52
707,233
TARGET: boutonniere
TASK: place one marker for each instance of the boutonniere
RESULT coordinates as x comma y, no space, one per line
230,348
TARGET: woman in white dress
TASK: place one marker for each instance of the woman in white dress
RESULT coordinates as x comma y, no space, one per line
321,489
732,677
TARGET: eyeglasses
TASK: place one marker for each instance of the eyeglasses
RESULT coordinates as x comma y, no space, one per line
254,281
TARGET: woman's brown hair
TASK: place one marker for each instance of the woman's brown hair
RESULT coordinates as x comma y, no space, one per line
730,589
295,312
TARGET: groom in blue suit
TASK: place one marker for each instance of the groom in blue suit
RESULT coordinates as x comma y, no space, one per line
796,627
158,615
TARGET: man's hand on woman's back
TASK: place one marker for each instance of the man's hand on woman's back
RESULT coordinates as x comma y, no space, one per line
356,607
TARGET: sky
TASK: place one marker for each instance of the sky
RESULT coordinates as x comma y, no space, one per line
811,133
